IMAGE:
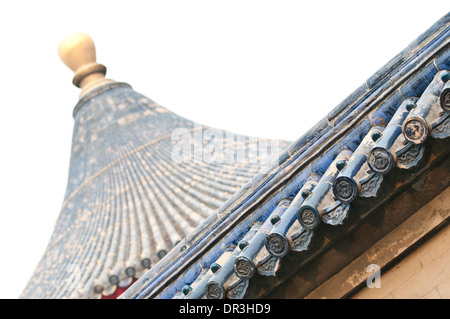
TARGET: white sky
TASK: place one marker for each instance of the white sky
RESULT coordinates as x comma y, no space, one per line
219,63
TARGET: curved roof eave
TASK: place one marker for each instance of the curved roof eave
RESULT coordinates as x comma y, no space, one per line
373,103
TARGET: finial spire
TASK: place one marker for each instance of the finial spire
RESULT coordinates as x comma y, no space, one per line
77,51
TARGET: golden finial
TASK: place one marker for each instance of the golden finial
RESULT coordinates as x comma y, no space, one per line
77,51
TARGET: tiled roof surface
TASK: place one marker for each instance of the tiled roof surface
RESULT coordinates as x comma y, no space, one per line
385,125
128,202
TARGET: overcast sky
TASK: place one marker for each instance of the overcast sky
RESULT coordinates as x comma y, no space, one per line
261,68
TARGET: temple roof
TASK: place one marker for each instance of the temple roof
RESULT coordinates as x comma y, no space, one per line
151,203
141,179
386,134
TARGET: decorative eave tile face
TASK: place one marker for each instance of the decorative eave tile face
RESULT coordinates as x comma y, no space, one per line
130,199
384,126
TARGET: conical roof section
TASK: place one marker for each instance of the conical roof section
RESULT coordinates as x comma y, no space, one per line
141,178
